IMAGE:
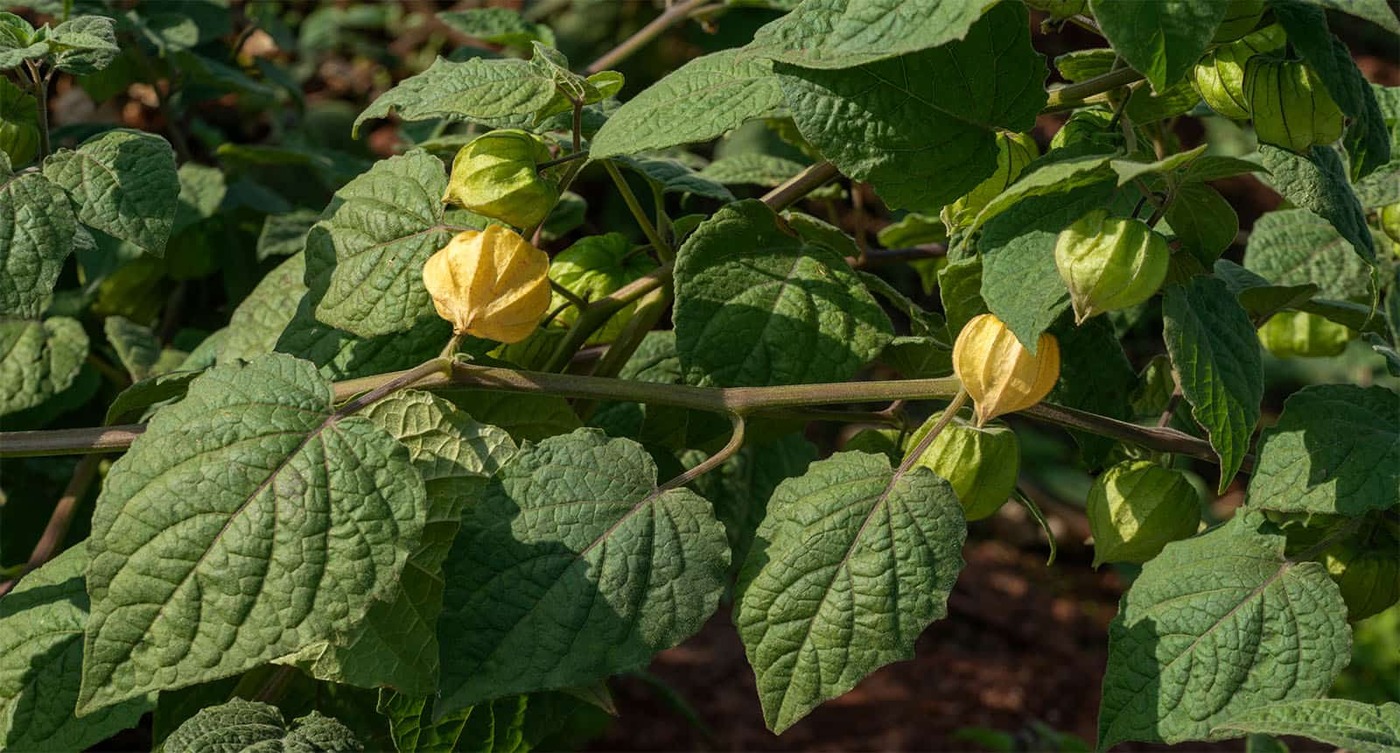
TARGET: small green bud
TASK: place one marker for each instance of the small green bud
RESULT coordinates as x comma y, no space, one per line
1290,106
1110,263
1368,578
1290,334
1219,76
1014,152
1389,216
980,464
496,175
1138,507
1240,18
19,124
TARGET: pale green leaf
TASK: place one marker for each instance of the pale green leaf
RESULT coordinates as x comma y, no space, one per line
529,417
479,89
757,304
1318,183
259,320
285,234
1351,725
1216,625
124,183
1047,179
249,520
136,345
84,44
37,231
852,562
960,292
38,360
574,566
132,403
699,101
921,128
396,644
847,33
17,43
755,169
202,191
1335,449
41,657
1217,357
1162,40
241,726
364,259
1297,247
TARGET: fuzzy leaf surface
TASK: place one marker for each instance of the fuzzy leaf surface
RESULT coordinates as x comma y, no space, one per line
240,725
1355,726
479,89
38,359
835,34
37,227
124,183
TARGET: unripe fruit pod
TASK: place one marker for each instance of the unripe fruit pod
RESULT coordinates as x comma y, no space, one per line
490,284
1240,18
1110,263
19,124
1290,334
1219,76
1138,507
496,175
1369,579
1014,152
980,464
1059,9
1389,216
998,372
1290,106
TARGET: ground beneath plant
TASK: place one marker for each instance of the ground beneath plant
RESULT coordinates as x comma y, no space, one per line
1023,643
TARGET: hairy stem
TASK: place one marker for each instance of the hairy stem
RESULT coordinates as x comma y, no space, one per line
949,413
1073,95
663,249
735,443
799,185
673,15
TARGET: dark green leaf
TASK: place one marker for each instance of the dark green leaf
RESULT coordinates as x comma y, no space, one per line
38,359
241,725
1296,247
1161,40
834,34
1318,183
37,232
479,89
124,183
1352,725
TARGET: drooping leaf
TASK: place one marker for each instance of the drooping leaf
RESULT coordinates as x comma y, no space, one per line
574,566
124,183
1216,625
241,725
396,644
41,653
697,102
1160,40
762,301
921,128
37,230
131,403
364,259
480,89
1352,725
247,521
1318,183
1048,178
1335,450
838,34
136,345
38,359
852,562
1217,357
1297,247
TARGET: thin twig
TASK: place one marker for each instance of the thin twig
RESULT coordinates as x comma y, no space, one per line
663,249
61,519
799,185
736,443
672,15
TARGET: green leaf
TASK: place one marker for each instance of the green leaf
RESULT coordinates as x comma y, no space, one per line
1095,375
593,267
574,566
1129,170
136,346
832,34
124,183
364,259
1297,247
37,231
254,327
513,724
1355,726
17,43
1215,625
84,44
38,360
1217,358
341,355
921,128
1335,450
527,417
396,644
41,651
852,562
1047,177
1367,138
202,191
671,176
285,234
241,725
132,403
697,102
960,292
1203,221
498,26
480,89
1259,298
754,169
1318,183
1160,40
760,301
248,520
